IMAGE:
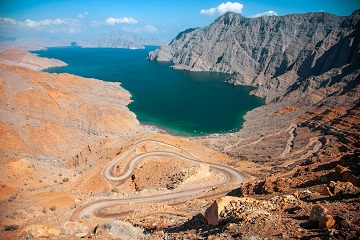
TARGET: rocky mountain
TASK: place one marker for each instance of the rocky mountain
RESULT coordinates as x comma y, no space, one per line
271,53
304,142
121,39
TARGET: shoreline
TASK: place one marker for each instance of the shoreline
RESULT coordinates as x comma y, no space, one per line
158,128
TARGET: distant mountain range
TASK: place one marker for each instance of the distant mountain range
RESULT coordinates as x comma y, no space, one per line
114,39
121,39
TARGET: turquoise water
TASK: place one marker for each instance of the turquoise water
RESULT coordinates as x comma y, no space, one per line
181,102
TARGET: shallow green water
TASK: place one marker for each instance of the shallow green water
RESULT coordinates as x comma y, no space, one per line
182,102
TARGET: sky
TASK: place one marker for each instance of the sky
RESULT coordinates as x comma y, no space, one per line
163,19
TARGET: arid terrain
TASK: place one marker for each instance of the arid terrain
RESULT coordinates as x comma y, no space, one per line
76,163
59,132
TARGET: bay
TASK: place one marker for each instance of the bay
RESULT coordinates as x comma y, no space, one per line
181,102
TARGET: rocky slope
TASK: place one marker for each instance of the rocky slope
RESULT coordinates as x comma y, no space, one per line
301,149
55,116
271,52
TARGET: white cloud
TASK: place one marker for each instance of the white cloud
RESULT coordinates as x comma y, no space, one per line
8,21
50,25
47,22
82,15
31,23
210,11
113,21
268,13
223,8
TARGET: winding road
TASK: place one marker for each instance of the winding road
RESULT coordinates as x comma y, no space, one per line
291,130
96,208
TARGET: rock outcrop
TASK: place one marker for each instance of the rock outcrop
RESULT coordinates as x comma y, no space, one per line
120,230
236,209
40,231
275,54
319,214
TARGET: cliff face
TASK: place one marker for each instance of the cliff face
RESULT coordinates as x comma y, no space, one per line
271,52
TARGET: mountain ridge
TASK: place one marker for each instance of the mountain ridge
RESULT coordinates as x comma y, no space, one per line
120,39
261,50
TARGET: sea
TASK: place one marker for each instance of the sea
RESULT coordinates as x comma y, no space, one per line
178,101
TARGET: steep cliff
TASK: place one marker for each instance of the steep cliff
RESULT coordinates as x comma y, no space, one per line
271,52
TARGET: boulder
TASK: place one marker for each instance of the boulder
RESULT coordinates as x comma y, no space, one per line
212,213
317,213
320,214
72,228
344,188
41,231
120,230
326,222
326,192
229,209
345,175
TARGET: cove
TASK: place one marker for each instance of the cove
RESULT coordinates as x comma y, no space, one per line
181,102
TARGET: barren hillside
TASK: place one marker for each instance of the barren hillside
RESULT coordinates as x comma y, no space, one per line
76,163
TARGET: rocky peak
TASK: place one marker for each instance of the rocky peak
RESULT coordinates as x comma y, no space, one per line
230,18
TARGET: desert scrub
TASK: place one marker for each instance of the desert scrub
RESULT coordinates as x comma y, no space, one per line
11,227
12,197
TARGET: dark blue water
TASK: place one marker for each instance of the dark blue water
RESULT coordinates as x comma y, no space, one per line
182,102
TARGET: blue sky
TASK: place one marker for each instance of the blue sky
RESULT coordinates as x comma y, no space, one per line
158,18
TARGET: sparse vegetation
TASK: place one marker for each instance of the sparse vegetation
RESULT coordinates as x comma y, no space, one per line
66,179
11,227
52,208
12,197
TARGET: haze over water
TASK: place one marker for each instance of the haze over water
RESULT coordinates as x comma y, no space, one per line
181,102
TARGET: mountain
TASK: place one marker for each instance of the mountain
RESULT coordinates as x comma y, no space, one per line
121,39
271,53
304,141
